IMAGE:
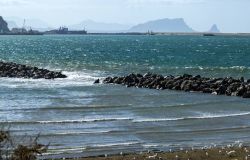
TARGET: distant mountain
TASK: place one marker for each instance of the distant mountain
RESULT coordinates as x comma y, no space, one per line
214,29
92,26
163,25
12,24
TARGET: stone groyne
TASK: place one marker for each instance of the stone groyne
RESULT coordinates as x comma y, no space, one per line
219,86
13,70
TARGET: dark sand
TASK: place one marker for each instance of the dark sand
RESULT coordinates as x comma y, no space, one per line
233,153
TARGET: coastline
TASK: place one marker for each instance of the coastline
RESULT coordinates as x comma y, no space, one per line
135,34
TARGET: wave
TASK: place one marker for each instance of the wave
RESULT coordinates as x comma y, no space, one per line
112,144
184,105
67,121
127,106
206,116
77,133
58,151
84,78
134,120
69,107
241,68
85,120
80,149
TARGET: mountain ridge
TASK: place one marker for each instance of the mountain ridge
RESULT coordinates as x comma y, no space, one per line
214,29
94,26
163,25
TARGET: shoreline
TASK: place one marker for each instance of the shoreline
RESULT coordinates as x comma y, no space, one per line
205,34
218,153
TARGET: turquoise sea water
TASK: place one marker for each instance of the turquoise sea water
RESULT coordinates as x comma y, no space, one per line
76,116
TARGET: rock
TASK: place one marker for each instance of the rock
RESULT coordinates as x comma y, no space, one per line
232,153
187,76
97,81
242,79
231,89
221,90
214,93
197,76
118,80
186,85
246,95
207,90
108,80
147,75
240,91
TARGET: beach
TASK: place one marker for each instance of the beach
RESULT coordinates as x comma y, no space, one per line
81,119
222,153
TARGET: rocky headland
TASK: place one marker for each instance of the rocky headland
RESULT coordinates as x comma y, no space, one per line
3,26
163,25
218,86
13,70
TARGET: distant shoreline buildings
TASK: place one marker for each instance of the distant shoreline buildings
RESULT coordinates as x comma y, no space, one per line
165,26
4,30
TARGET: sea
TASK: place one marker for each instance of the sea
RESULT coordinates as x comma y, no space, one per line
79,118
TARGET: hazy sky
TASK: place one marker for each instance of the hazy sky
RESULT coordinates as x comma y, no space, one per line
229,15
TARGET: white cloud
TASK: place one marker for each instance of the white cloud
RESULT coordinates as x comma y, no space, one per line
4,3
165,2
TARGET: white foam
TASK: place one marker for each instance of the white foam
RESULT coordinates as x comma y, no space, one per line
113,144
84,78
58,151
78,133
216,68
150,145
81,149
86,120
204,116
156,119
209,115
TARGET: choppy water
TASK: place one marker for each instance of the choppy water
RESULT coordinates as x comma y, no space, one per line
76,116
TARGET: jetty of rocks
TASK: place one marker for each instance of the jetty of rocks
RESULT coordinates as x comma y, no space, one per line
219,86
13,70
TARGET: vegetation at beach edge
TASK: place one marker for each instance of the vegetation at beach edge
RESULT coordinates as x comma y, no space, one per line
10,150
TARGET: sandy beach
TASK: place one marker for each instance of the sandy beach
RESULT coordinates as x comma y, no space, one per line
222,153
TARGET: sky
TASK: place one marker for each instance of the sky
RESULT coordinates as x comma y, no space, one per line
229,15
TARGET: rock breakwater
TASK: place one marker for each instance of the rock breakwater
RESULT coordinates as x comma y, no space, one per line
219,86
13,70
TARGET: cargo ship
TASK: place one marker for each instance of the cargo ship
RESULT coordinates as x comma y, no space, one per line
208,34
65,30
